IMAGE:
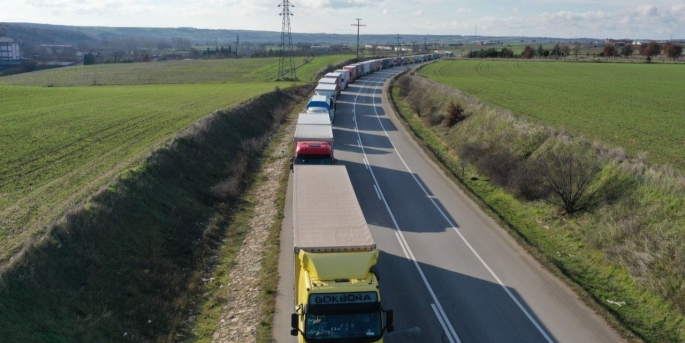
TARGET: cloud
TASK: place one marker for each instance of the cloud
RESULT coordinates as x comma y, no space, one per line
588,18
647,11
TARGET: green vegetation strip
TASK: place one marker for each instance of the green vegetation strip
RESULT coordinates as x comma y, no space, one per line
635,106
65,143
127,266
214,295
567,246
173,72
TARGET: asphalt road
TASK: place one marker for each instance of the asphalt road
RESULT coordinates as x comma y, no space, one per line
448,271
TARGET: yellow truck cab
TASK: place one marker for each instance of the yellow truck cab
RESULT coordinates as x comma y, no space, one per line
337,298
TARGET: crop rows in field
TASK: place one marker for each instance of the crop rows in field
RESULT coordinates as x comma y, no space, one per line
172,72
634,106
61,144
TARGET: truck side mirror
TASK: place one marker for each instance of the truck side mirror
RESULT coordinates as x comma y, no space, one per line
293,324
389,327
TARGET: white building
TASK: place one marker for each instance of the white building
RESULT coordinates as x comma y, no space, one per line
9,50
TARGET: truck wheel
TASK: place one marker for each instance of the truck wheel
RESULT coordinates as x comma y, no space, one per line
374,270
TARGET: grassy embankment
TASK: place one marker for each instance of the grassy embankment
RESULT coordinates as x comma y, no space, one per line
625,257
633,106
214,296
95,132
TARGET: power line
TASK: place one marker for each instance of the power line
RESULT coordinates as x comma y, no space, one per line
358,25
286,35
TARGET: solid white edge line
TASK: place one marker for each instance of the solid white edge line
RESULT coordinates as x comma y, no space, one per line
523,309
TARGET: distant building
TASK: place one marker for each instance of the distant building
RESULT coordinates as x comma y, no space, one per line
9,50
618,42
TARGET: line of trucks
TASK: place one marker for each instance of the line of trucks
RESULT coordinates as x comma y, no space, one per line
337,295
313,139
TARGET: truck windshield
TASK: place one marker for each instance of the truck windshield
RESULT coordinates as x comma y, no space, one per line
348,327
314,159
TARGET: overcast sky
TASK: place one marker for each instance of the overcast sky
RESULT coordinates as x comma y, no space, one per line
657,19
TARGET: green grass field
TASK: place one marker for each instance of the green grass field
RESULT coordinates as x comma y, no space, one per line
188,71
634,106
64,143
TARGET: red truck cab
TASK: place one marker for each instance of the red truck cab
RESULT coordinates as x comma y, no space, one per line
313,153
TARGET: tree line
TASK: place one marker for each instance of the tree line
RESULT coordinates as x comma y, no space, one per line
652,49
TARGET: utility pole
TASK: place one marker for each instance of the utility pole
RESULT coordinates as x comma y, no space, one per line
425,45
286,35
237,43
398,45
357,25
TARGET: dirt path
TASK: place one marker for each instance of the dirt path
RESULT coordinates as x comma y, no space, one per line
240,315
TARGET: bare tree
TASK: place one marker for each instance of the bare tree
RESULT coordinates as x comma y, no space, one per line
528,52
568,175
418,101
576,48
455,113
673,51
565,50
627,50
650,50
609,50
405,85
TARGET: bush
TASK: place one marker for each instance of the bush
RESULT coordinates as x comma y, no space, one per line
227,190
405,86
434,119
568,176
417,100
472,152
526,182
455,113
499,165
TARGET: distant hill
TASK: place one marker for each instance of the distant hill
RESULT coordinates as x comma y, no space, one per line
58,34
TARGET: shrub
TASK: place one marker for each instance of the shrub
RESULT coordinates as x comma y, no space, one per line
417,101
499,165
568,176
455,113
227,189
526,182
434,119
405,86
472,152
252,146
